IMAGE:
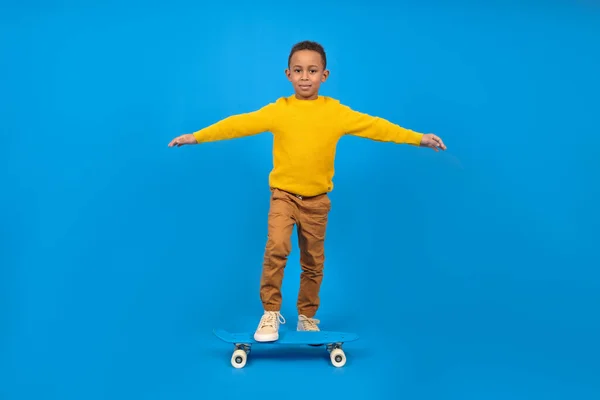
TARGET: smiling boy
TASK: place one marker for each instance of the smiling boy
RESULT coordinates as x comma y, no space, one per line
306,128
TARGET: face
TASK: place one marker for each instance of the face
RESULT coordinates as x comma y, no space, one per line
306,73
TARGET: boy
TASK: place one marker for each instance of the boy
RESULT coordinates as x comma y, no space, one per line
306,128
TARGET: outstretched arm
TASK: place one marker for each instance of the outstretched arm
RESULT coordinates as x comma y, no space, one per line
381,130
232,127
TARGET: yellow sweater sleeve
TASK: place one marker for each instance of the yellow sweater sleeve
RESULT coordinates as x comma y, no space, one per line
240,125
376,128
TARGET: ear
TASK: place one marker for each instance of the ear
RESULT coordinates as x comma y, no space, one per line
288,74
325,75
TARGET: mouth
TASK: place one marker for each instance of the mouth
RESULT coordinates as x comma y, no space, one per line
304,87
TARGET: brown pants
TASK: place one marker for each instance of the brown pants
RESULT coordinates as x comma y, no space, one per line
310,217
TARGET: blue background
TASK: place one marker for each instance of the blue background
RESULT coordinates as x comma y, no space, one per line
469,274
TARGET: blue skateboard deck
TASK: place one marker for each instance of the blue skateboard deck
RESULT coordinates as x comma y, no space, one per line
243,342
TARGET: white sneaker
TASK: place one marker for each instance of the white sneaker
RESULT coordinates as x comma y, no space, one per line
268,327
307,324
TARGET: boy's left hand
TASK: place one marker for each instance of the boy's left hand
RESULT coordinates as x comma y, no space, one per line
432,141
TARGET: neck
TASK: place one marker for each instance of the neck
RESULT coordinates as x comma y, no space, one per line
300,97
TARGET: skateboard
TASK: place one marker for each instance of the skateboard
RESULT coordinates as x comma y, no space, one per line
243,342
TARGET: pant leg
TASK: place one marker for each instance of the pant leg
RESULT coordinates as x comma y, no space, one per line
312,224
281,220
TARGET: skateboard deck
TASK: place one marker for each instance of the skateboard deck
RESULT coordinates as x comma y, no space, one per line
243,342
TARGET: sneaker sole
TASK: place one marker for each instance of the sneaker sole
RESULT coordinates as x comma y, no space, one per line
266,338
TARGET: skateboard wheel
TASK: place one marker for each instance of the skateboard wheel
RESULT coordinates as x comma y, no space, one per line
238,359
338,358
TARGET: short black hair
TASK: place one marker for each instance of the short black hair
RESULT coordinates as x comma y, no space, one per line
309,45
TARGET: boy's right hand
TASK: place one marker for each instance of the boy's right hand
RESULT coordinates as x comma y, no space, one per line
182,140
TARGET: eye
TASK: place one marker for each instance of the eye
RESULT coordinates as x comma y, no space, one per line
296,70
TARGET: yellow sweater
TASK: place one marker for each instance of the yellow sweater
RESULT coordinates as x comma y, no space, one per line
305,136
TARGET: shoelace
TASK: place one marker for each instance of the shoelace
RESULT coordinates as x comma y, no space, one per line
309,323
270,318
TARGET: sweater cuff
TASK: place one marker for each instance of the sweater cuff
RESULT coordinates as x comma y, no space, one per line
416,139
